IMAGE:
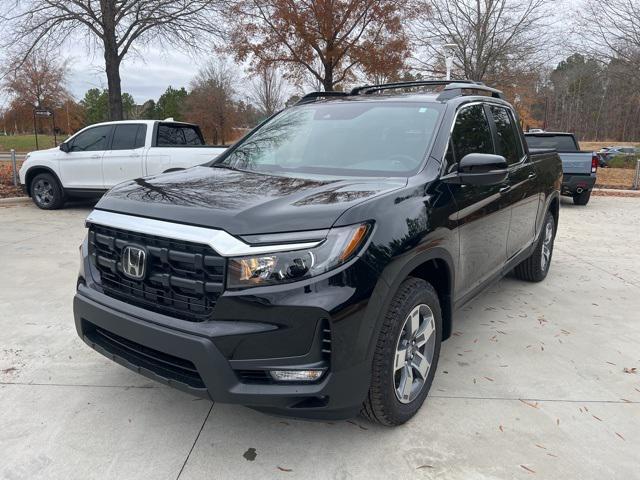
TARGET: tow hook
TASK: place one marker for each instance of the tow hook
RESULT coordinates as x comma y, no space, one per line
579,190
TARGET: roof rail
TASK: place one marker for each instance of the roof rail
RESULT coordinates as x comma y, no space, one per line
367,89
452,89
456,90
313,96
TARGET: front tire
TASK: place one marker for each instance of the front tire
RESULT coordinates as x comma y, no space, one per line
582,198
536,267
46,192
406,354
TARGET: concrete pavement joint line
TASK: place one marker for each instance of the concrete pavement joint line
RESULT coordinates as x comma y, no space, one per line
33,384
550,400
453,397
597,266
196,440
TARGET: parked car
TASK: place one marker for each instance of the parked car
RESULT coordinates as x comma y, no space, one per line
105,154
314,268
579,167
607,153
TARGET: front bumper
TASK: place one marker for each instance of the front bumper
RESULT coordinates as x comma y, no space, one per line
573,184
227,360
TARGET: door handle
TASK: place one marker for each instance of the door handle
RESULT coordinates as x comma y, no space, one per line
505,189
532,175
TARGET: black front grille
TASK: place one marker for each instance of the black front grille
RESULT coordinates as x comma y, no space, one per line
182,279
162,364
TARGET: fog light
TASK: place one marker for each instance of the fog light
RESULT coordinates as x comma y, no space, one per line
296,375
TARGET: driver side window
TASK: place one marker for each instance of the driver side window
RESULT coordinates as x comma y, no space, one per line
471,134
92,140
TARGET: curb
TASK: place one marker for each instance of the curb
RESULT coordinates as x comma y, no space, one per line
14,200
615,192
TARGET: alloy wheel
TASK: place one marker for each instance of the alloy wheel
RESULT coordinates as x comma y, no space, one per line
43,192
547,242
414,353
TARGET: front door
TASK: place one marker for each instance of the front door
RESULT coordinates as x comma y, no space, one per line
124,161
482,216
81,167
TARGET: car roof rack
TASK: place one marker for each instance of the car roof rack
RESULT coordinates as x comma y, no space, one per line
368,89
313,96
452,89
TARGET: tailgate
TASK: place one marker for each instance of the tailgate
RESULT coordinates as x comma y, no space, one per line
576,162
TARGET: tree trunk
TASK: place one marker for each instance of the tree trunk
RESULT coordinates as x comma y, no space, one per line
327,81
111,59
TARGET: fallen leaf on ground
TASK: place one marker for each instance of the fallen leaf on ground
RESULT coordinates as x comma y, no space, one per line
630,370
620,435
501,428
282,469
540,446
424,466
489,378
599,419
533,405
528,469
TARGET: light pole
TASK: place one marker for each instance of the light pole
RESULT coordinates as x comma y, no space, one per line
448,49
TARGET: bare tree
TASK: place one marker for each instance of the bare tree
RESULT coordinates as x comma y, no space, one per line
268,90
612,29
115,26
490,36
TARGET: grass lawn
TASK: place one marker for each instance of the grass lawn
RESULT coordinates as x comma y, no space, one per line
26,143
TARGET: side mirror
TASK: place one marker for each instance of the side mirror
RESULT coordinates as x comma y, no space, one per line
64,147
480,169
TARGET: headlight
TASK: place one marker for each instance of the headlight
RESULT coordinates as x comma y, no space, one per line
340,246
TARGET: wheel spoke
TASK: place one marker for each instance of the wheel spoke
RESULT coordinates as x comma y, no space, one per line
414,321
424,333
406,382
421,364
401,358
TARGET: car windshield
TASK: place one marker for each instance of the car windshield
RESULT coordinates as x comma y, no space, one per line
345,139
562,143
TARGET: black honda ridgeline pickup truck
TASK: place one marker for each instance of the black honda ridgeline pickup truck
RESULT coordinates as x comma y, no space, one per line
313,269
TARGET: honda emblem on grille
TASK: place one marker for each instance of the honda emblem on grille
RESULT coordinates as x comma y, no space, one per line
133,262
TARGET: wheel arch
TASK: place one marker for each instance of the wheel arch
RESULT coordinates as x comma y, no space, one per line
36,170
435,266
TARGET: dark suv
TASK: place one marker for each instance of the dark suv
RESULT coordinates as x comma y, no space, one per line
313,269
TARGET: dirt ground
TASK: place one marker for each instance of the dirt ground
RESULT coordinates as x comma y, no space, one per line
615,178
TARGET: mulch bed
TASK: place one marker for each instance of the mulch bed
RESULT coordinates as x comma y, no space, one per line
7,189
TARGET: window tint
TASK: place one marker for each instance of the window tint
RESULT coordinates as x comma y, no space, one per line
172,135
128,137
471,133
562,143
91,140
509,145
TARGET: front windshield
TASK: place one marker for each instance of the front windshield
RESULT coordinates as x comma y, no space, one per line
346,138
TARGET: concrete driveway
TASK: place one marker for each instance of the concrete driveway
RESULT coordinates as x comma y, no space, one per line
531,385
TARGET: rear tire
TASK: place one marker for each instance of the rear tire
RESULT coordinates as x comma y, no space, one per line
46,192
536,267
406,355
582,198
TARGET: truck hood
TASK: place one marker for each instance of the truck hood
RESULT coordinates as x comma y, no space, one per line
243,203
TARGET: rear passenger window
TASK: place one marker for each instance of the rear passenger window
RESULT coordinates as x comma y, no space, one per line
509,145
173,135
471,134
128,137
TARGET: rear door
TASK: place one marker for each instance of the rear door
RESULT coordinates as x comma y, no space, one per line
523,193
81,167
482,214
124,160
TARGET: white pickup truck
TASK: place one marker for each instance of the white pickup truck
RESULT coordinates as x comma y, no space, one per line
105,154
